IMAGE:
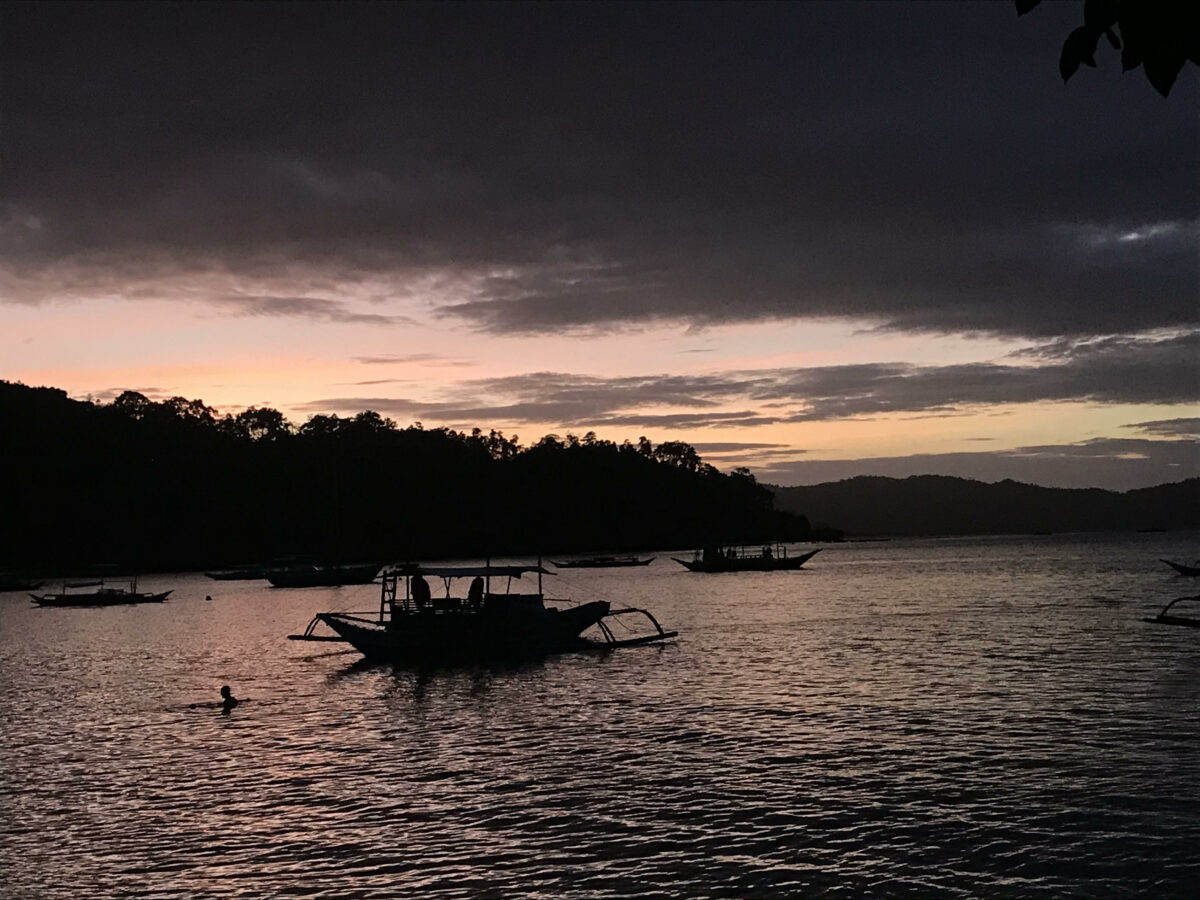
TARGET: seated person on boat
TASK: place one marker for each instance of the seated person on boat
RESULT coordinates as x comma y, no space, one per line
420,592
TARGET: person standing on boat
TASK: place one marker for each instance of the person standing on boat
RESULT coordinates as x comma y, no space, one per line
475,594
420,591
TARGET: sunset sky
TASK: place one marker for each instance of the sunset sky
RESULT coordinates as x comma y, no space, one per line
815,239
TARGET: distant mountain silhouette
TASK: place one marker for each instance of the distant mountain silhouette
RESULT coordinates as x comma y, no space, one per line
942,505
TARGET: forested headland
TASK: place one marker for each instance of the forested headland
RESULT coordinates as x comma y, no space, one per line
173,484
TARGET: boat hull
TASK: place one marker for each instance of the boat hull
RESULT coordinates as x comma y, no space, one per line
602,563
1182,569
746,563
321,576
250,573
465,635
100,598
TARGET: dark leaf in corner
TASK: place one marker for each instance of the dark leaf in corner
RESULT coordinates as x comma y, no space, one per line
1078,48
1100,15
1162,74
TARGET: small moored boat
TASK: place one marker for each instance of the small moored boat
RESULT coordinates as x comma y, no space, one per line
771,558
321,575
238,573
1167,617
604,562
76,593
413,626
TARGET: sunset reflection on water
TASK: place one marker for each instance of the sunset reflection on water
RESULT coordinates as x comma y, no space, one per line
926,717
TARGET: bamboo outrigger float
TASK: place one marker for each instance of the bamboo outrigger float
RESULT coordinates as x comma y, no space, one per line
413,625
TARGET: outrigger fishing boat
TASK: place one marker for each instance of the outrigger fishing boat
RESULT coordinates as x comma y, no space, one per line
604,562
413,626
771,558
75,593
1166,617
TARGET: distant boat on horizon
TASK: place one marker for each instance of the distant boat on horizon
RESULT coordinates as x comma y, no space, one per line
237,573
321,574
74,593
604,562
772,558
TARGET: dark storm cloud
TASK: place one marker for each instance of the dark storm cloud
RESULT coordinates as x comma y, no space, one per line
727,455
568,400
600,394
460,414
1147,371
1170,427
740,419
303,307
597,166
720,447
1153,370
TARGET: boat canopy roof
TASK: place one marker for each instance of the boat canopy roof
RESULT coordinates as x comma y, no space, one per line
469,571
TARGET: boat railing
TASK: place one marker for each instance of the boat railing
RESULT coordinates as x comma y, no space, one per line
393,597
769,549
105,584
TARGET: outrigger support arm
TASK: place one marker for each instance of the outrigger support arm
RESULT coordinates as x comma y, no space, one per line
610,640
1167,618
309,636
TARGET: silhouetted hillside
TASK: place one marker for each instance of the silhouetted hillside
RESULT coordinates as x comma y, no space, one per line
173,484
935,505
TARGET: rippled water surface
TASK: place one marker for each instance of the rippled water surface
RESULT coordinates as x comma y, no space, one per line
928,718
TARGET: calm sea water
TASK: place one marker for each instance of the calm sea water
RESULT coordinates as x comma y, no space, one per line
930,718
